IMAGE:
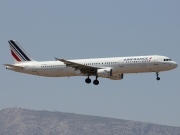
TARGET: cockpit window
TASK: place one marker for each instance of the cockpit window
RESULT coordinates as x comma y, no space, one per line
167,60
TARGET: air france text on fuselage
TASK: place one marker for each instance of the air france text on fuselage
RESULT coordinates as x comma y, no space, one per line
129,59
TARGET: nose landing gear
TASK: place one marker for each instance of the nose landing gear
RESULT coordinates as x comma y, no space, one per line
158,78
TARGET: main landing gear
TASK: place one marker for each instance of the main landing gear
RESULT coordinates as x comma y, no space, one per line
95,82
157,74
88,80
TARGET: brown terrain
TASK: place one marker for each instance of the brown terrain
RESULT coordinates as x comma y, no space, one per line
16,121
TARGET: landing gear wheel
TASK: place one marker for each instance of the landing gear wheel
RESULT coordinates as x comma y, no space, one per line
88,80
95,82
158,78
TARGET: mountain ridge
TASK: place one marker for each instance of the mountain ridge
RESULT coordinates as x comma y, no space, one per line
23,121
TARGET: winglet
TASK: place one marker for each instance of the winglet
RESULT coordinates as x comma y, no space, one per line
62,60
56,58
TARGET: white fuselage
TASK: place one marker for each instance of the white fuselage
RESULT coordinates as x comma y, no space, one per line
119,65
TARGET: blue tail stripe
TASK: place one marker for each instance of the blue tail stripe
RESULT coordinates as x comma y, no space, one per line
13,47
20,50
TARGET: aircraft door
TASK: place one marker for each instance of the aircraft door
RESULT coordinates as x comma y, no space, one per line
121,66
156,64
34,69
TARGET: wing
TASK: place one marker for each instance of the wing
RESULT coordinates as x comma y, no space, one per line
84,69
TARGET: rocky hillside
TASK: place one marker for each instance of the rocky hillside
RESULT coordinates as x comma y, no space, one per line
29,122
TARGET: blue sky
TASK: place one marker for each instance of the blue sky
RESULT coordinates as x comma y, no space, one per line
90,29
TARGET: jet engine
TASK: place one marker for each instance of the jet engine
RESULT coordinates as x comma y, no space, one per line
117,77
105,73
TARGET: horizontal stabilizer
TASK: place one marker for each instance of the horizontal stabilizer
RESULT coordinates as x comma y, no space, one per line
13,66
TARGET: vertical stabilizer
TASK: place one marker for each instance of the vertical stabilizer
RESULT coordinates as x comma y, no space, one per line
18,53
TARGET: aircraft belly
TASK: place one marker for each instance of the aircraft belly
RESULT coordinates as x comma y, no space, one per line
138,68
129,68
68,71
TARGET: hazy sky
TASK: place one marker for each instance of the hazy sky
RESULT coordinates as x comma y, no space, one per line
88,29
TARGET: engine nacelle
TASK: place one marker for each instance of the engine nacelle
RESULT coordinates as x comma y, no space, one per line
117,77
105,73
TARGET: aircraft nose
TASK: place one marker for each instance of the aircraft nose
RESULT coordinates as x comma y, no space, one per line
175,65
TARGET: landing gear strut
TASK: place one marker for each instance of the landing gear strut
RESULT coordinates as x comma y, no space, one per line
157,74
96,82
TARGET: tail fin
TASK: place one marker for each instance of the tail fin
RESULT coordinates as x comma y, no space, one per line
18,53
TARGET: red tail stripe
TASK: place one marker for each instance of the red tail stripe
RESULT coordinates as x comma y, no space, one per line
15,56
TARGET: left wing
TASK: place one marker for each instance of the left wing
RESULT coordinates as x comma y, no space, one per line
83,68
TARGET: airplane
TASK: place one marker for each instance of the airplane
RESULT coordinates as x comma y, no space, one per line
113,68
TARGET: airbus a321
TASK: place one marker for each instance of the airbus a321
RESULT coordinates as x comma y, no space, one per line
112,68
